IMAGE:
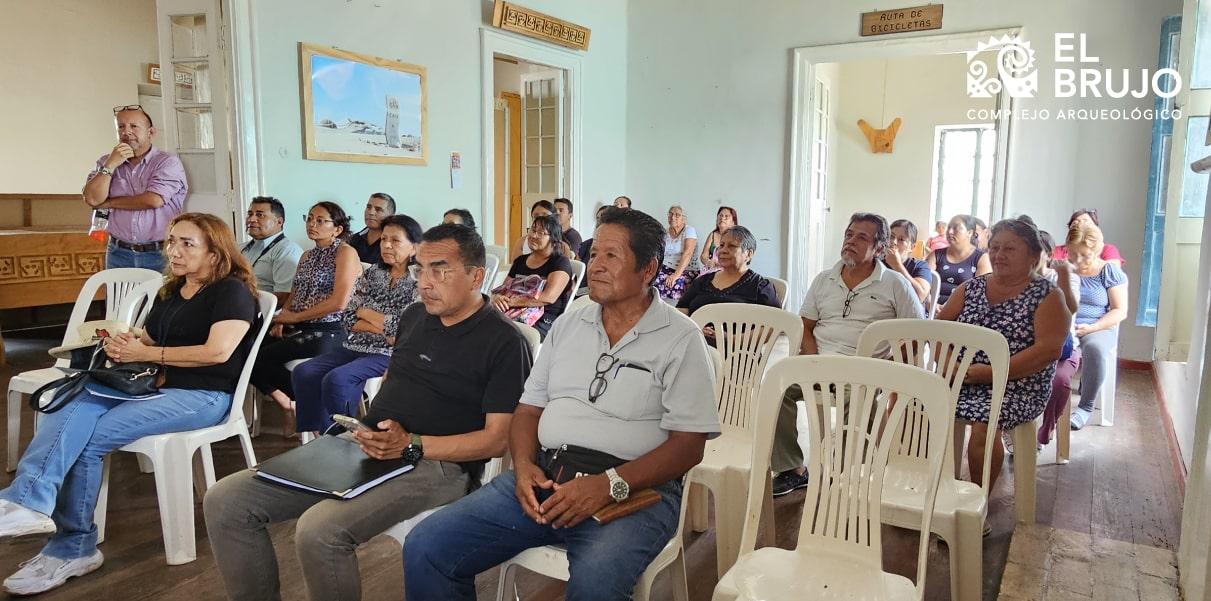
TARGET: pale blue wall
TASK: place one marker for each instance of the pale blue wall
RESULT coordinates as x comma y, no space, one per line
444,37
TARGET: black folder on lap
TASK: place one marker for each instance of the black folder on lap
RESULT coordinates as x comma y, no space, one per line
333,466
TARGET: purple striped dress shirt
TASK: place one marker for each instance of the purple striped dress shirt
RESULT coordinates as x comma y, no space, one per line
158,172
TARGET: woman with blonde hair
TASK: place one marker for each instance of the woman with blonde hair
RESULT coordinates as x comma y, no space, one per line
199,332
1102,307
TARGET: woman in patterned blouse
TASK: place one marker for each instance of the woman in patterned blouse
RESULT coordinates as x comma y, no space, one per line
332,382
1031,314
310,322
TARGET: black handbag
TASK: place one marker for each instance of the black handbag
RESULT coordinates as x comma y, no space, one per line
136,379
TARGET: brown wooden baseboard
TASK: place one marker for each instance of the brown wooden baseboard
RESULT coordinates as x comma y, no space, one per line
1135,365
1175,452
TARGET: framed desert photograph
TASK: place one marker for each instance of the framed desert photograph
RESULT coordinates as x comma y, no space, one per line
362,108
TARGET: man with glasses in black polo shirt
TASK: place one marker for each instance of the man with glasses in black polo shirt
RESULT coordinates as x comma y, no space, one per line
455,376
139,188
623,394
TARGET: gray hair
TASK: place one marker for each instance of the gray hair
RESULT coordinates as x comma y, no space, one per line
1022,228
882,232
741,234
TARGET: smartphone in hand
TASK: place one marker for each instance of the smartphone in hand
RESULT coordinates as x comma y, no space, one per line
351,424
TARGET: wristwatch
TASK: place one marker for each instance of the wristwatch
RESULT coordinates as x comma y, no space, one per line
619,489
415,451
106,171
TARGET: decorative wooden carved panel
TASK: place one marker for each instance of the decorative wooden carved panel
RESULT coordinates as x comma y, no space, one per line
45,267
89,263
32,268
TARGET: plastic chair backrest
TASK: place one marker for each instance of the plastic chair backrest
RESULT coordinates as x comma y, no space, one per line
578,269
848,455
118,282
500,252
946,348
780,286
935,290
745,336
491,266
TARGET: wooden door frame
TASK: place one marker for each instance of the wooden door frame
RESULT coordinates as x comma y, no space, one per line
799,170
493,42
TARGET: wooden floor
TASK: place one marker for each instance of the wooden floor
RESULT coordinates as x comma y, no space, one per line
1120,485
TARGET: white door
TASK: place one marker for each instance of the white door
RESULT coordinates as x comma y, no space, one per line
194,79
810,243
542,148
819,208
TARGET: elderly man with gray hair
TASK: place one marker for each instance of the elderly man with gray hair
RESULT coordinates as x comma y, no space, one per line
858,291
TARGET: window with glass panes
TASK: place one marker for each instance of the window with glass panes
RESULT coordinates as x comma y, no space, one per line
964,161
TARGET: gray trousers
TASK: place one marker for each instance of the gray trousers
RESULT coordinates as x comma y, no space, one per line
1097,362
239,509
787,455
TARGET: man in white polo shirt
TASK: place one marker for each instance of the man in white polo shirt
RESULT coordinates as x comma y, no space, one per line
858,291
623,393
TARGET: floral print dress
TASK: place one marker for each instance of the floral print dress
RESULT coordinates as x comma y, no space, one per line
1025,398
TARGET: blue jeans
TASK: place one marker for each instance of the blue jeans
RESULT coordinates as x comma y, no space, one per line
116,256
332,383
444,552
60,473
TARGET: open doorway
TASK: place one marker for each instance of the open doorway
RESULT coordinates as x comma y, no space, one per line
948,151
942,155
529,145
531,150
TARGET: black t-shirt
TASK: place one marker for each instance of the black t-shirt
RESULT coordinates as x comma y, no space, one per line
751,288
557,262
572,238
178,322
586,248
366,252
443,379
918,268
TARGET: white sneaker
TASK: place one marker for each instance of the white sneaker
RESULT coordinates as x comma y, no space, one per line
18,520
43,573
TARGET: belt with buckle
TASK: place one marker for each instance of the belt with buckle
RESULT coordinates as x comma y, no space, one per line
139,248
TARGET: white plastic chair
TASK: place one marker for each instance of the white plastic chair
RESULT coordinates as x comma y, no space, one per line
746,336
935,290
552,561
118,284
172,455
780,286
578,270
491,266
494,466
500,252
962,506
839,552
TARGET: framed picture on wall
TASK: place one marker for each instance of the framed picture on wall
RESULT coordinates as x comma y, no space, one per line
362,108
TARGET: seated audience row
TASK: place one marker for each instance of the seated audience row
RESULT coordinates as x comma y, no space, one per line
633,409
332,382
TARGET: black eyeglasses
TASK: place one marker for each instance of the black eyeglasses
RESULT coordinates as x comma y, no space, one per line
128,107
849,299
599,384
